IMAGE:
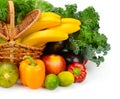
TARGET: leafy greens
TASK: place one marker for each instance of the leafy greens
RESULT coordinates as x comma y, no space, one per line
3,10
87,41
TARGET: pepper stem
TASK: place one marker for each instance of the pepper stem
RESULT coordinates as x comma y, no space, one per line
76,71
32,63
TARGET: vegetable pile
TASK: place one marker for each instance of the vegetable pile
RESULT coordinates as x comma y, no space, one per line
71,37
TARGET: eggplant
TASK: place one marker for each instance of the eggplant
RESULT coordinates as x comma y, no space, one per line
71,57
54,47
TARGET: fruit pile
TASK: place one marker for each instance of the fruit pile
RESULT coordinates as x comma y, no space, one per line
45,46
35,30
49,72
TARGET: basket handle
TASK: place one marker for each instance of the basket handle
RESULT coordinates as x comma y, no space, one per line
11,20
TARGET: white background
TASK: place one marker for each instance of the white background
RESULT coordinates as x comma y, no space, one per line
101,82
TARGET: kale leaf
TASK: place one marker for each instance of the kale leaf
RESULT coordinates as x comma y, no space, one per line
70,11
3,10
44,6
22,7
87,41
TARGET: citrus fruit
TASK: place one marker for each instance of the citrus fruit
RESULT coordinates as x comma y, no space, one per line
66,78
8,74
51,81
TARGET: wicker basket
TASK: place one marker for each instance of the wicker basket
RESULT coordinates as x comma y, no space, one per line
12,50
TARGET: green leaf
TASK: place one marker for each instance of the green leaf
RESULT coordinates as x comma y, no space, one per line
22,7
3,10
69,11
44,6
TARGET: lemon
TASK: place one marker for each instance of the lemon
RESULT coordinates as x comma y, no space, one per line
66,78
51,81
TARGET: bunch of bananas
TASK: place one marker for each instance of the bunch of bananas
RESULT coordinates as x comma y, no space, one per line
49,27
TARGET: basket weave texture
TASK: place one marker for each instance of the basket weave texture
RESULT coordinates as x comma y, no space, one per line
12,50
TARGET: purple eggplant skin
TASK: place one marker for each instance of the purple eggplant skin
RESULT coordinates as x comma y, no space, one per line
71,57
54,47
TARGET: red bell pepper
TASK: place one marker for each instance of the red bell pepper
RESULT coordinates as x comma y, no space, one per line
78,70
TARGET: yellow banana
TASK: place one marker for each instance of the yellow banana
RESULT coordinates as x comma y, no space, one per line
44,36
45,20
68,25
67,28
50,14
71,21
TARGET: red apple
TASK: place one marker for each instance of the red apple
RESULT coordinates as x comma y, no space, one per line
54,63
